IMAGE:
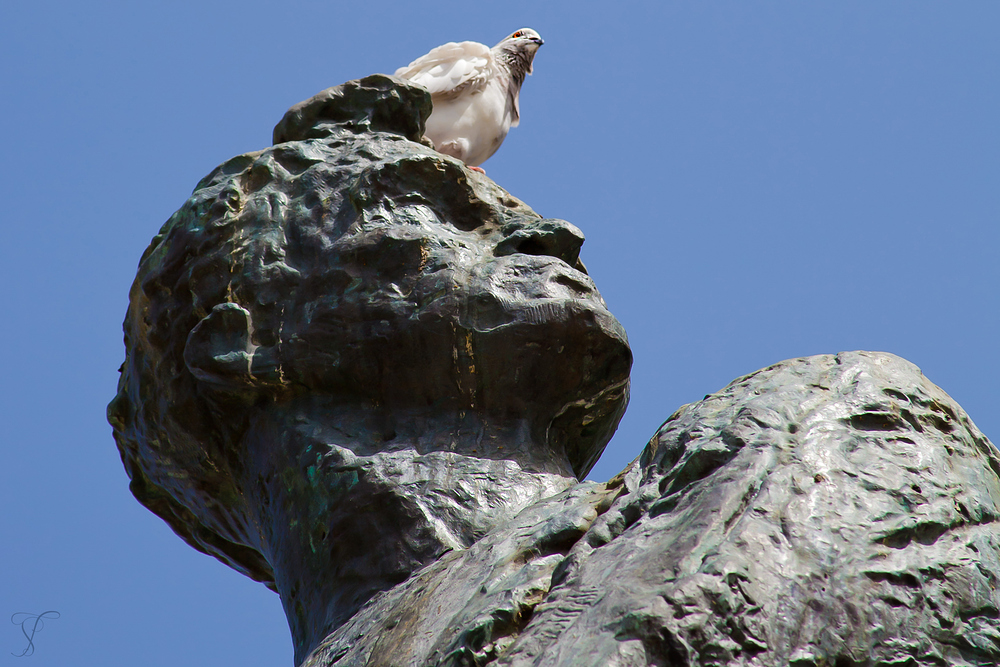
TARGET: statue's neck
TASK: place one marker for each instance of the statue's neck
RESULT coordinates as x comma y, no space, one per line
352,501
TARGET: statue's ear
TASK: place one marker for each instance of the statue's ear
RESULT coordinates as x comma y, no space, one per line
220,352
218,349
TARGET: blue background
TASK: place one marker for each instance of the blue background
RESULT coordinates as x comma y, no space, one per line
756,180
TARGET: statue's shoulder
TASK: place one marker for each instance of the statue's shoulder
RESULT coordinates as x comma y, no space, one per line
797,516
472,604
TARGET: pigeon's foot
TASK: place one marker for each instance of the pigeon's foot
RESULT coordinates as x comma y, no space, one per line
479,169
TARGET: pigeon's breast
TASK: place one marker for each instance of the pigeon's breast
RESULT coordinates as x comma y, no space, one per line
471,127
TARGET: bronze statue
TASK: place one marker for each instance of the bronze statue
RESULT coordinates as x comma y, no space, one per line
372,380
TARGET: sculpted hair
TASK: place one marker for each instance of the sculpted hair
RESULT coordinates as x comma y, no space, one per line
317,266
222,278
212,278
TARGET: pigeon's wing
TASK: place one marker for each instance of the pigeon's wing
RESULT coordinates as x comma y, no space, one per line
452,69
514,100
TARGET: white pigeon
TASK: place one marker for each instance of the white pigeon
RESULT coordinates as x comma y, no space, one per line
475,92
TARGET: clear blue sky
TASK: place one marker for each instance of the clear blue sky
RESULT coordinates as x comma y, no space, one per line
756,180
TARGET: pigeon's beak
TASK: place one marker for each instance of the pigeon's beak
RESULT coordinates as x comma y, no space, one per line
538,40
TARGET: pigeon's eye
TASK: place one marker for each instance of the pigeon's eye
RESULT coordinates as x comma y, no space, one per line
517,34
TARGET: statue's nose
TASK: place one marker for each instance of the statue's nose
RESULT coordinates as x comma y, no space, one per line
556,238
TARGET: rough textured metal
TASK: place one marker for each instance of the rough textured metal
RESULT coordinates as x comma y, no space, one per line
369,378
348,354
834,510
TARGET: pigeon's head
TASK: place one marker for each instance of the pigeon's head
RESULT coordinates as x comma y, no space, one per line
526,36
521,45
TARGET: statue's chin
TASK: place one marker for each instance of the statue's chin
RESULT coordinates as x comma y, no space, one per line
564,363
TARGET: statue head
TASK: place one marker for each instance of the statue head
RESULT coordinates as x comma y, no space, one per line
352,267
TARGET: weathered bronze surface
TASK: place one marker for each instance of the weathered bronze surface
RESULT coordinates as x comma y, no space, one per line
371,379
